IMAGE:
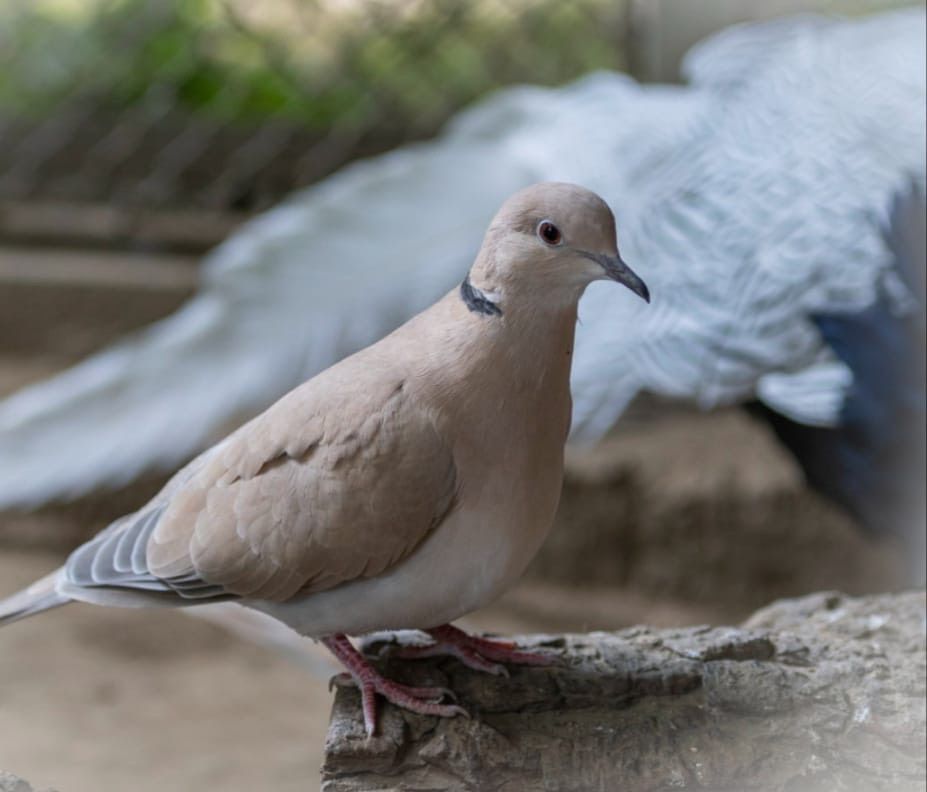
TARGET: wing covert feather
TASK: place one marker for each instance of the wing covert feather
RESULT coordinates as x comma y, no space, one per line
313,493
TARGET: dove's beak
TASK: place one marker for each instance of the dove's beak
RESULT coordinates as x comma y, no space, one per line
617,270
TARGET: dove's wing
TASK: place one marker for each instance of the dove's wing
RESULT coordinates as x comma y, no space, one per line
339,480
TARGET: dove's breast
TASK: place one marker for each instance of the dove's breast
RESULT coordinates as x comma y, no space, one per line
507,435
478,552
504,510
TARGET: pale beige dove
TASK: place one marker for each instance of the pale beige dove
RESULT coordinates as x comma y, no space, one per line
403,487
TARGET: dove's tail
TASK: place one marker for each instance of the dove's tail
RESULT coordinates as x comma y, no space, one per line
40,596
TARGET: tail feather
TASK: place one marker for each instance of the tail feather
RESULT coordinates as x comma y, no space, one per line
40,596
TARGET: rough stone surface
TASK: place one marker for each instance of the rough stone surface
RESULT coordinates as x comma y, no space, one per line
820,693
13,783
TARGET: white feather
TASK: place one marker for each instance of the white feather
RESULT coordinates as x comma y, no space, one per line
748,201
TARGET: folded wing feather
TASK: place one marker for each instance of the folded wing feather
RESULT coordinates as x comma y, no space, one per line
317,491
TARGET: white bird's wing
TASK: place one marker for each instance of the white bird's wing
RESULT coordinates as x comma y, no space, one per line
765,211
328,272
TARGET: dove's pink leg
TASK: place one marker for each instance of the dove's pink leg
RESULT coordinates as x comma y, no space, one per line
370,681
482,654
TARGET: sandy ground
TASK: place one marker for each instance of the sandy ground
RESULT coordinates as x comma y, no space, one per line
95,699
109,700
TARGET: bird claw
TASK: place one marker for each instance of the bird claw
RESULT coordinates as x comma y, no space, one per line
434,693
458,710
447,693
407,698
521,657
480,654
428,693
344,679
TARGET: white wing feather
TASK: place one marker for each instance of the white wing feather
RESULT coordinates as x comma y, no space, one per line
768,209
328,272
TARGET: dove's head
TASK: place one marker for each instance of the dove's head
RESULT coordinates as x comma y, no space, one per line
552,239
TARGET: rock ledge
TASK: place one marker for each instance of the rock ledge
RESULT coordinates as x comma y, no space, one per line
819,693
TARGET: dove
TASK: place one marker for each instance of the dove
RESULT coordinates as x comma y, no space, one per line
401,488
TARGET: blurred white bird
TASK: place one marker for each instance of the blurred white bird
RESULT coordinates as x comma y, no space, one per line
757,196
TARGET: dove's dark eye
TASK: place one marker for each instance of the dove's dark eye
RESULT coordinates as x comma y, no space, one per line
549,232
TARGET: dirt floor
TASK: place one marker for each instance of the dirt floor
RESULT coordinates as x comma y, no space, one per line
108,700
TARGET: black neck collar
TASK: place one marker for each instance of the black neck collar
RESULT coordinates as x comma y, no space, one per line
476,300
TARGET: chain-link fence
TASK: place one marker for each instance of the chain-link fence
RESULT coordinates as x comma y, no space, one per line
212,105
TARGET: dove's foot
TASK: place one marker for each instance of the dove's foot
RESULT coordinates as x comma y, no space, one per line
360,673
481,654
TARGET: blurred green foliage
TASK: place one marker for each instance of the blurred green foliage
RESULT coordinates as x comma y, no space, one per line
343,63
